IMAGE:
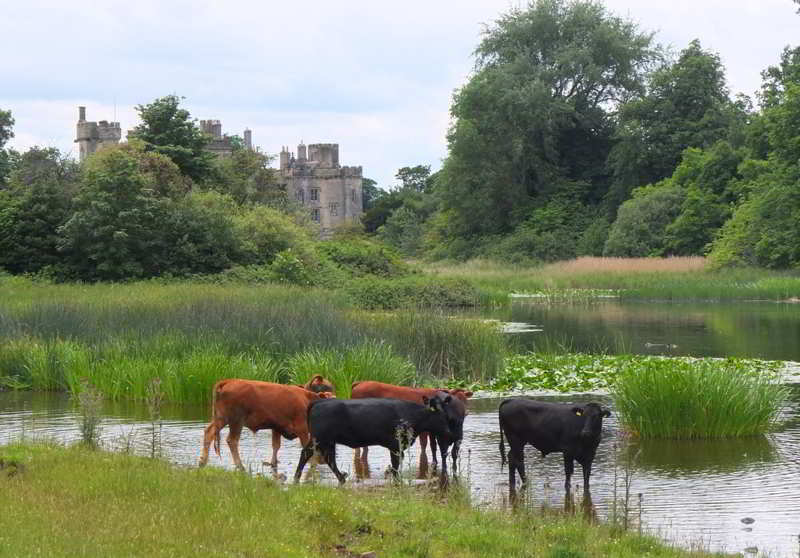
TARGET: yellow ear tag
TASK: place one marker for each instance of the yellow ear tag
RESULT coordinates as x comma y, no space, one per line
580,414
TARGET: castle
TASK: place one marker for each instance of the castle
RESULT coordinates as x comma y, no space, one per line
314,179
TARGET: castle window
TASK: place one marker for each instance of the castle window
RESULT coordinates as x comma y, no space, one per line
301,196
314,194
353,195
334,207
315,215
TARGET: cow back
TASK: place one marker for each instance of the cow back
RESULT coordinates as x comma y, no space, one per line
262,405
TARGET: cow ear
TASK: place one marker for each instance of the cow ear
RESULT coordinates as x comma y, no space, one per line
606,413
467,394
577,410
425,400
448,399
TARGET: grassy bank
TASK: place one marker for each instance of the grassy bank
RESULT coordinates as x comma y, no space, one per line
189,335
74,502
635,278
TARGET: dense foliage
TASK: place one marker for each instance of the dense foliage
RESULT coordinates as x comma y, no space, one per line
576,135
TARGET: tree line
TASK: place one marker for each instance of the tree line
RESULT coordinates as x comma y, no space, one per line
577,135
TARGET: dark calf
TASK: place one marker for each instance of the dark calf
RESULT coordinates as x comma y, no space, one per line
573,430
391,423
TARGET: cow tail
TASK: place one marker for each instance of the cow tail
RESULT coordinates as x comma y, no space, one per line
502,444
217,389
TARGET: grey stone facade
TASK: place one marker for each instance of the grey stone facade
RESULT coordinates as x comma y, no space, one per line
331,192
91,136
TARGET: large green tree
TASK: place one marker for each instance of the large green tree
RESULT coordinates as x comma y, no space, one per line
687,105
37,201
535,119
169,130
764,229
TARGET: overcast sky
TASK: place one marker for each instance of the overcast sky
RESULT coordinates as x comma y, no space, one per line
375,77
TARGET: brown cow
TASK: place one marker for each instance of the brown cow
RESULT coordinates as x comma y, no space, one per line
318,384
379,389
257,405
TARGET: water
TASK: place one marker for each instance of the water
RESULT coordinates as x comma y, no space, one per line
765,330
693,493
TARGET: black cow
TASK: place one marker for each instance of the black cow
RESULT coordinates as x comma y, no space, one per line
455,414
391,423
573,430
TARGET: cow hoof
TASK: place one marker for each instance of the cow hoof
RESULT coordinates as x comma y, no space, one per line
273,464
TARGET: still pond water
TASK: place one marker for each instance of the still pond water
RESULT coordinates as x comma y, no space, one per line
696,494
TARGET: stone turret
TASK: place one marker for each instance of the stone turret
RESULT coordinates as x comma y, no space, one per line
315,179
92,136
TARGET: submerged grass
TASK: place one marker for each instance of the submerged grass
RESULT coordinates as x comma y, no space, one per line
69,502
700,399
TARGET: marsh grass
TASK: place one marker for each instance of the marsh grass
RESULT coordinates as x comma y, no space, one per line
71,502
121,337
631,278
368,361
679,398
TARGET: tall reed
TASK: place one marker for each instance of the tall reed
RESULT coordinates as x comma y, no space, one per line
368,361
677,398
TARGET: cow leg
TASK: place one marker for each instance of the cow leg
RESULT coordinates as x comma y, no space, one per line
587,470
276,445
423,455
305,455
569,468
394,456
235,432
454,454
365,457
329,454
516,463
210,435
433,452
443,473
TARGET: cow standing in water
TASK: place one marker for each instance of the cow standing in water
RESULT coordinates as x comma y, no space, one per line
258,406
573,430
370,388
391,423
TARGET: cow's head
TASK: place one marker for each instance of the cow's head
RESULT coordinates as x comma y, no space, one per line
437,420
592,415
318,384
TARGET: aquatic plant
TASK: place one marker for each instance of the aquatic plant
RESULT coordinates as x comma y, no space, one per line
699,398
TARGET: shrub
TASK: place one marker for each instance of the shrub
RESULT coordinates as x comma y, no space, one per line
360,257
423,292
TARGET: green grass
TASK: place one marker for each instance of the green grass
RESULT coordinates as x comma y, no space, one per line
120,337
697,399
75,502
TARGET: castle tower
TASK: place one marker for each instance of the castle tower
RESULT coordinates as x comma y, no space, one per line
91,136
248,139
301,151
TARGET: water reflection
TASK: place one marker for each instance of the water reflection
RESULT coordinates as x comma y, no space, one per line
746,329
681,457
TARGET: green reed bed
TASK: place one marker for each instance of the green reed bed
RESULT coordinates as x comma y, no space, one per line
120,337
445,347
75,502
370,361
678,398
